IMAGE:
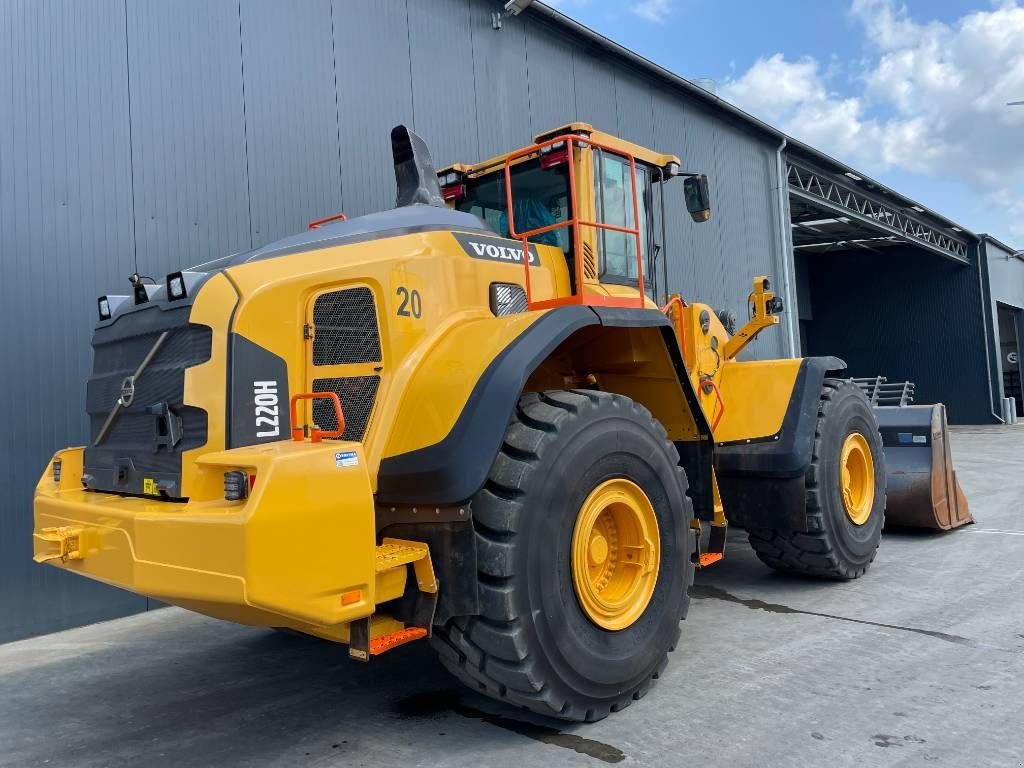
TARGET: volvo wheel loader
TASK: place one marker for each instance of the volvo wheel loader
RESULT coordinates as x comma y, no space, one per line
473,418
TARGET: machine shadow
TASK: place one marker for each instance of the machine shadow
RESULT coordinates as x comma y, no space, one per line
250,697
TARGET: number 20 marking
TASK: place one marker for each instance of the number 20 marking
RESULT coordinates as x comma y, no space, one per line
412,304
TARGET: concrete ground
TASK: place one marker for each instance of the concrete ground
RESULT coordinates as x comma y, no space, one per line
920,662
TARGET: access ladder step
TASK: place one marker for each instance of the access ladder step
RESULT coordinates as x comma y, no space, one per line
394,639
397,552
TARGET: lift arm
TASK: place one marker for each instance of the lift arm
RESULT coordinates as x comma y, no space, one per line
765,307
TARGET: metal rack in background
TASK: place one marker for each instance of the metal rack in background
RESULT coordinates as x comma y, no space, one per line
881,391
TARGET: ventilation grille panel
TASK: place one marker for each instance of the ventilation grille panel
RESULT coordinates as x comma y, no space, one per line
589,265
345,328
357,394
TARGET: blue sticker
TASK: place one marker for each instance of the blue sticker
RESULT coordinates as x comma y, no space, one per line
346,459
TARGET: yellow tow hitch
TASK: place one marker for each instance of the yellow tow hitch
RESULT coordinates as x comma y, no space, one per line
66,542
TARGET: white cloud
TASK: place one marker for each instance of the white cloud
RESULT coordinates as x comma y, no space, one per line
1013,206
653,10
930,99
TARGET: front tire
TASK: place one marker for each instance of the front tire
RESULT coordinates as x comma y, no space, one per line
539,642
845,485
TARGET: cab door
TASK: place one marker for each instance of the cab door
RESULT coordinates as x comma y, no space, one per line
617,262
343,356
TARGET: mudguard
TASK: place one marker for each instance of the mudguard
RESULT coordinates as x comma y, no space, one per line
454,469
762,483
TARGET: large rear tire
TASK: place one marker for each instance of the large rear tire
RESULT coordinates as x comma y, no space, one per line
581,474
845,494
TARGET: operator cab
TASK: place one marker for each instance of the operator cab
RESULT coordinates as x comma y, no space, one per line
597,198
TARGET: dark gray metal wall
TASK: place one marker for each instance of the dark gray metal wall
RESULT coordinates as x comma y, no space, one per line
907,315
157,135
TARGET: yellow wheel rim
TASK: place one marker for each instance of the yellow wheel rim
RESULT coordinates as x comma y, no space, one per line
857,478
615,554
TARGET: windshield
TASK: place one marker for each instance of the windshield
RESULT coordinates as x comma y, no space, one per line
540,198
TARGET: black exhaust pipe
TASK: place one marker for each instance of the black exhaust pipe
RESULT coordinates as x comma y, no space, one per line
414,170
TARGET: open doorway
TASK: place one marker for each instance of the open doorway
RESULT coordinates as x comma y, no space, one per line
1010,322
889,288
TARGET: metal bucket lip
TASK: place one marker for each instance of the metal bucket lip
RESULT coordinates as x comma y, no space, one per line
921,485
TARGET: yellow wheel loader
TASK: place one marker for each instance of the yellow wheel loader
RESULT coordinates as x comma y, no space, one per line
474,418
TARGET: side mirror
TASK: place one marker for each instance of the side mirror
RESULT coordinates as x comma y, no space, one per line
698,199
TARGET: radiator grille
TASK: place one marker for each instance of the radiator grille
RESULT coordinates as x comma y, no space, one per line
132,439
345,328
356,393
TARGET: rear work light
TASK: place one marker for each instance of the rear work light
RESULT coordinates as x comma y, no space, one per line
56,470
554,154
107,305
453,192
452,186
176,286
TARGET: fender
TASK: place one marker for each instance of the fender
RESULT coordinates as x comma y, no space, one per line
454,469
762,483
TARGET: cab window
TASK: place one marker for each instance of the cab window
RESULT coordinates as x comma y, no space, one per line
540,198
617,256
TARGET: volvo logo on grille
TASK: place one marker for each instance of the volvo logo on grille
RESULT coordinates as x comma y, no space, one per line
128,388
127,391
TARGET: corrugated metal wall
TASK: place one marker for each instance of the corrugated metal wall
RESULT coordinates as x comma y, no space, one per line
1005,280
1006,274
164,134
907,315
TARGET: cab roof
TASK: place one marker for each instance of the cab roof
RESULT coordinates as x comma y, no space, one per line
642,154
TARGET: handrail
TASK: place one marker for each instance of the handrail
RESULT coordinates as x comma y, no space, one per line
677,303
575,221
721,401
317,223
315,435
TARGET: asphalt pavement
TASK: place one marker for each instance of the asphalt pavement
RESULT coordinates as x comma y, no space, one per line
921,662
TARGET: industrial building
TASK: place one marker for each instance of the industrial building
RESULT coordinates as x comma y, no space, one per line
144,137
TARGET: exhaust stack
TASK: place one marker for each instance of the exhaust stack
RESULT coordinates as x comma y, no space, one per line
414,170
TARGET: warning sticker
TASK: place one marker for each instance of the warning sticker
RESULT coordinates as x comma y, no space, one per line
149,486
346,459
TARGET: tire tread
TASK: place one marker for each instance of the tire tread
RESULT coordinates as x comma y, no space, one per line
809,553
488,652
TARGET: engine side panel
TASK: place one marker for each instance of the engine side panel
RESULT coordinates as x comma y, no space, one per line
437,332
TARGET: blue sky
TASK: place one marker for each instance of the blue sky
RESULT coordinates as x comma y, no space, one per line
913,93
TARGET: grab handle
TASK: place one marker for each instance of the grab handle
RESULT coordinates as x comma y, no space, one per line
315,434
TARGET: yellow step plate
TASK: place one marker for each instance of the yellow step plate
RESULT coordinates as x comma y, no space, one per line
396,552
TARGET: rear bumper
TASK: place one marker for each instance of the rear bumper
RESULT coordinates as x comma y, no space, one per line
299,550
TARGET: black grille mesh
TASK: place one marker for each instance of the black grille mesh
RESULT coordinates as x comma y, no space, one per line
589,265
356,394
132,438
345,328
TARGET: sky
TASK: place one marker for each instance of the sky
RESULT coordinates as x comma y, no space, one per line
913,93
